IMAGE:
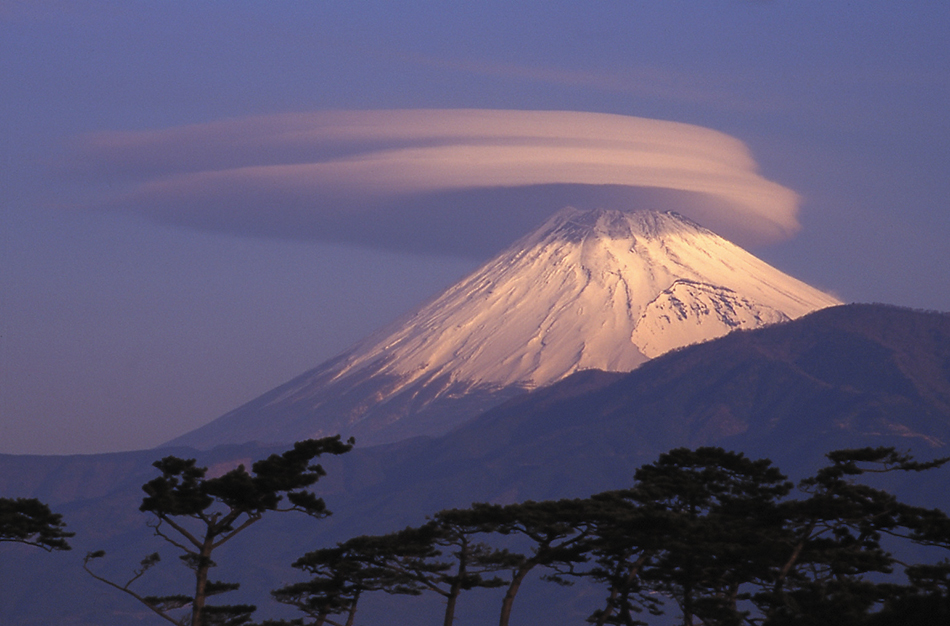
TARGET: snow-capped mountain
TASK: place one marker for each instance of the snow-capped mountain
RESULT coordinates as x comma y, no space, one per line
587,290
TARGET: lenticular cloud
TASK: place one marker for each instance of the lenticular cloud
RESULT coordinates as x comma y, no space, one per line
456,181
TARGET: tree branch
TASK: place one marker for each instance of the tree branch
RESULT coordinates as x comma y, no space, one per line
125,588
158,532
180,529
227,536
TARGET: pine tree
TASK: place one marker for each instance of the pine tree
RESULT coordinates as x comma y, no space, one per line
624,541
556,532
835,542
30,522
709,521
342,575
197,515
408,562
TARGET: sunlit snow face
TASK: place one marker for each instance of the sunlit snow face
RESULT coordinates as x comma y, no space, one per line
451,181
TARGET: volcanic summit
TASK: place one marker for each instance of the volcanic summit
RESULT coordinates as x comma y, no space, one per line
589,289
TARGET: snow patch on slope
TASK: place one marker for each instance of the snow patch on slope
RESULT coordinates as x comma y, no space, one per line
690,312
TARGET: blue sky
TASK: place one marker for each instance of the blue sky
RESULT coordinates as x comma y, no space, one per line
121,328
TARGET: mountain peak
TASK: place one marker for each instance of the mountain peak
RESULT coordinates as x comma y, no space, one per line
597,289
575,225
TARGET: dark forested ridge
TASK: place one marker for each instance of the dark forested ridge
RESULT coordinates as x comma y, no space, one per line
850,376
847,374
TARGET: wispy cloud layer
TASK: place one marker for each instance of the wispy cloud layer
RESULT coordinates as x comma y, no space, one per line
449,181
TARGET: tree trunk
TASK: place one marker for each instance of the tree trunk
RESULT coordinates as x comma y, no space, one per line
201,582
451,599
778,589
351,614
512,591
609,609
450,607
456,588
687,605
632,573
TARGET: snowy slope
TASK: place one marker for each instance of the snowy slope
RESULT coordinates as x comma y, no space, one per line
588,289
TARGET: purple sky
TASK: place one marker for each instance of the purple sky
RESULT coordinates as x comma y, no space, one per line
127,318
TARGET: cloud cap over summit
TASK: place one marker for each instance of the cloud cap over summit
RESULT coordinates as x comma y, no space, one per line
452,181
